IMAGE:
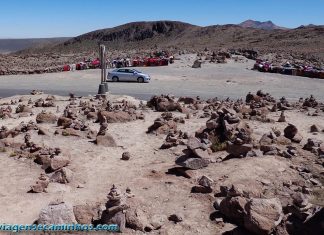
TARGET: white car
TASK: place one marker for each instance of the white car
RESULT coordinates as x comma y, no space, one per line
127,75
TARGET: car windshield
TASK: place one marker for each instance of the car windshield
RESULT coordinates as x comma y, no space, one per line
137,71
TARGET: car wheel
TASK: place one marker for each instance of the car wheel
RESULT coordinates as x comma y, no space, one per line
140,80
115,79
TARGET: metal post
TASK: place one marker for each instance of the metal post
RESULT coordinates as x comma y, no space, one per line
103,86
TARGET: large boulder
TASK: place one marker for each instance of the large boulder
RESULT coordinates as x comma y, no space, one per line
234,208
161,126
106,140
57,213
290,131
262,215
44,117
163,103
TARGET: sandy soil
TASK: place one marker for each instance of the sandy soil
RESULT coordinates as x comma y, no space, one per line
97,167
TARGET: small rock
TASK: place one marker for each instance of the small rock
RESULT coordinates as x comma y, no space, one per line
314,128
176,218
205,181
126,156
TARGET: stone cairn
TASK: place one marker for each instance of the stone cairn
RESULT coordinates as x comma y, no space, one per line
115,209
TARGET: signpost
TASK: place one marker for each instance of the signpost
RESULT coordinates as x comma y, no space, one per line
103,86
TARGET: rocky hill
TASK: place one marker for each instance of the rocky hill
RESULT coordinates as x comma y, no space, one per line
305,42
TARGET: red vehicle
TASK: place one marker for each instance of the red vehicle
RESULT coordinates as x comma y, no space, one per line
95,63
155,62
66,67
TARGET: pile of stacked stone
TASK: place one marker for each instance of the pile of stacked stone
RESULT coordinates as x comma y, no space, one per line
256,106
42,103
5,112
103,138
21,128
301,211
165,124
36,92
174,139
259,98
315,146
115,209
41,184
72,124
271,144
123,112
164,103
310,102
197,156
283,104
225,126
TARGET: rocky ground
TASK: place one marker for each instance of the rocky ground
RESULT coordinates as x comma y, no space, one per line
166,166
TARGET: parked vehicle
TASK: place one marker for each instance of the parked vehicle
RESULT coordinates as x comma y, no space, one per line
129,75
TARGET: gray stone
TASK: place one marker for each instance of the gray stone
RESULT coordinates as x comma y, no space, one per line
193,143
195,163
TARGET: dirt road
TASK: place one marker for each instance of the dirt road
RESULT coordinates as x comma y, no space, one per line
212,80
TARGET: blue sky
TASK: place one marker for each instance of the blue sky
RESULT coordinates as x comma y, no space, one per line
55,18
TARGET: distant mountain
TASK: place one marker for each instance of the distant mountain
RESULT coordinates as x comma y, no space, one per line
267,25
307,26
139,37
13,45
